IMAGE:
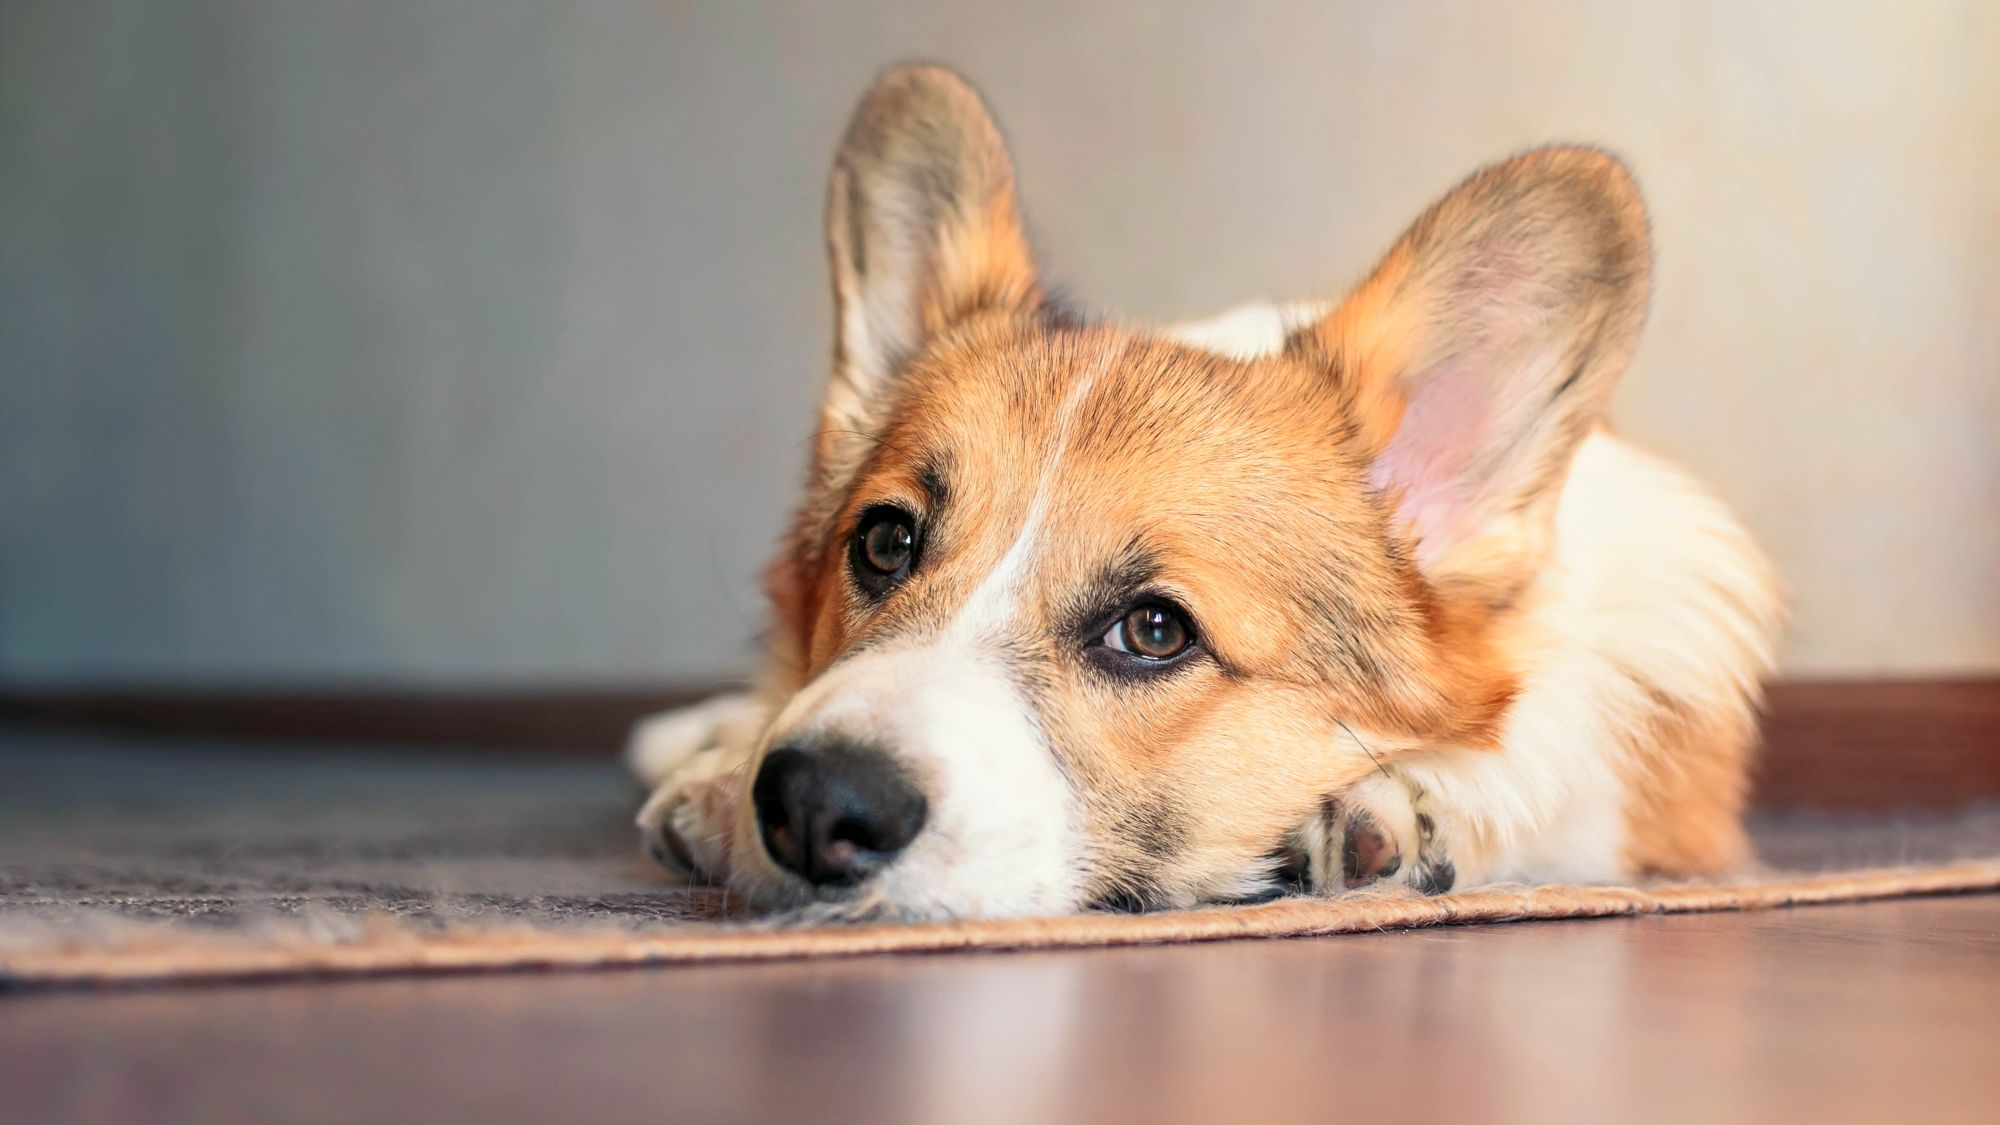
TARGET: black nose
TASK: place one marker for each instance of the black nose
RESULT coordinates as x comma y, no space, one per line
835,812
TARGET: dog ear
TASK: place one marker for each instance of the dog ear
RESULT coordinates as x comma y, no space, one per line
923,230
1483,349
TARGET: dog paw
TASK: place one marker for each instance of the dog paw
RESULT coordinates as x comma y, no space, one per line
1379,832
687,823
661,744
694,760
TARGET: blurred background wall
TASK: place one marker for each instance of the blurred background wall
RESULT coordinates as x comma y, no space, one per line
477,342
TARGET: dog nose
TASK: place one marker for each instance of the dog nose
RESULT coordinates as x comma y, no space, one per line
835,813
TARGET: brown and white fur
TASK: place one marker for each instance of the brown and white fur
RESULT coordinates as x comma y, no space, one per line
1448,628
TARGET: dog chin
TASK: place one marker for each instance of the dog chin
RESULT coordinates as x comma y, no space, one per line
905,892
789,901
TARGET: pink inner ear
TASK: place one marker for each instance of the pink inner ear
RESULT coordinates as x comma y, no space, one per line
1428,464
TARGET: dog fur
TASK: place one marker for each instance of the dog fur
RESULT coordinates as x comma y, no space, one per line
1450,629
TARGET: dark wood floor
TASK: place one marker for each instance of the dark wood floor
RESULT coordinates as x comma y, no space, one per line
1880,1012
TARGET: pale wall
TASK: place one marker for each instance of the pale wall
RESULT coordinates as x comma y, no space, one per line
477,341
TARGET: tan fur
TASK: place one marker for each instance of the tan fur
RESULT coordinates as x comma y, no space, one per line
1368,511
1687,780
1303,641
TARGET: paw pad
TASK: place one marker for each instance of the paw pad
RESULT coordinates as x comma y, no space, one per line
1368,852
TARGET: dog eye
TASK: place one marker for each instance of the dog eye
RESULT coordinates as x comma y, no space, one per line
1150,632
884,546
887,544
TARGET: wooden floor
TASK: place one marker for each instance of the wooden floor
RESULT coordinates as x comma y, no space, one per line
1879,1012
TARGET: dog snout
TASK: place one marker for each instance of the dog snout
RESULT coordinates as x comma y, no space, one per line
835,813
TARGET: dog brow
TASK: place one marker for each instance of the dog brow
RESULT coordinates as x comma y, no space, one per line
1115,584
933,477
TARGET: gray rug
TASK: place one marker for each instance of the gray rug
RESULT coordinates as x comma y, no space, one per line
232,835
98,832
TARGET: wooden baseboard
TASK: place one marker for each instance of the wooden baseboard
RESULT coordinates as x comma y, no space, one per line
540,719
1828,744
1881,743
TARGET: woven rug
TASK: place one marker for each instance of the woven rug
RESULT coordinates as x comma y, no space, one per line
122,862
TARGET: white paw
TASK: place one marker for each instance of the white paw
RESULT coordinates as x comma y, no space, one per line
694,760
660,744
1380,831
687,823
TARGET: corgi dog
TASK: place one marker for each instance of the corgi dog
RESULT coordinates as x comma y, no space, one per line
1077,614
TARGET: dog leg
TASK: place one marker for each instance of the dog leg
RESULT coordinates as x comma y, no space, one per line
694,760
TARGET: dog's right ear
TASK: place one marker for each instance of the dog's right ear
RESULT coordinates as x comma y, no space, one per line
923,230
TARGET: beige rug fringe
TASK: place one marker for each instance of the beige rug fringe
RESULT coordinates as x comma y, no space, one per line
159,955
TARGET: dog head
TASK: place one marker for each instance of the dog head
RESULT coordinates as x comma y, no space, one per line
1076,613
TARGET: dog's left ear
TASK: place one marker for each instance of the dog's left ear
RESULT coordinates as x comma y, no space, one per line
922,228
1483,349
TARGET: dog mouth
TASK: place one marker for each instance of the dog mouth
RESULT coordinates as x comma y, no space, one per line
781,897
785,899
1286,873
